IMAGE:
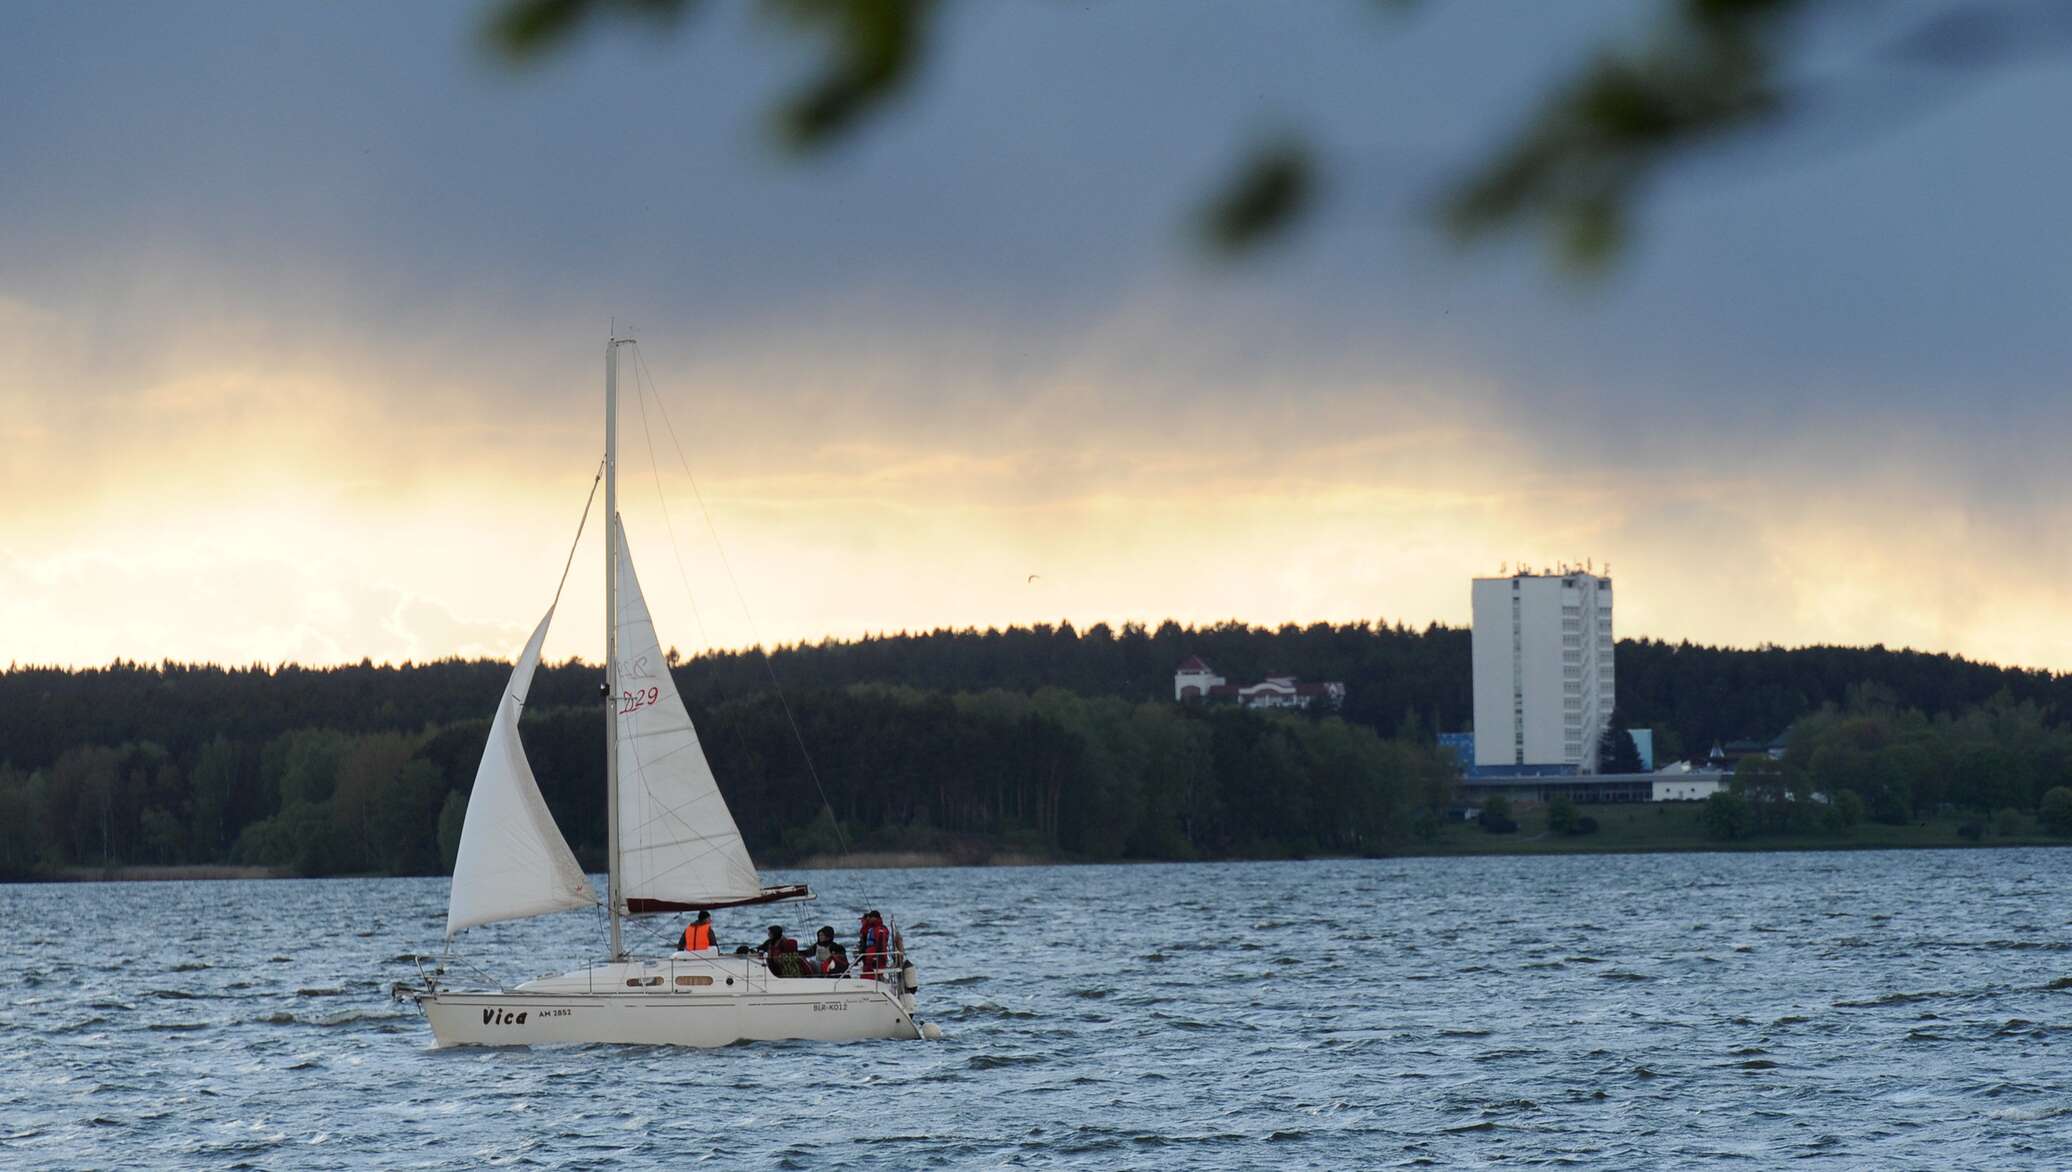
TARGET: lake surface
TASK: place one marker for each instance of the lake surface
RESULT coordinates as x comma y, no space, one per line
1889,1008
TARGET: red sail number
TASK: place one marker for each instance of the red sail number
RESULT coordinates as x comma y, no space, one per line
635,701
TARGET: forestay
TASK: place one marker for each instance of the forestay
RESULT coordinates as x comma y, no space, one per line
513,861
678,845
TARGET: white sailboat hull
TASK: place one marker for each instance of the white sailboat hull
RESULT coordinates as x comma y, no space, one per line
666,1003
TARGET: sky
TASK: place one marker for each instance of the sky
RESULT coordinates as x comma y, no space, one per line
303,312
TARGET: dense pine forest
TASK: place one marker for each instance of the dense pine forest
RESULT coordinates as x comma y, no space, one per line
1047,741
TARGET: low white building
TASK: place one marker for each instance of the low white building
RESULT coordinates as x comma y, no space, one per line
1684,782
1289,692
1678,783
1688,787
1196,680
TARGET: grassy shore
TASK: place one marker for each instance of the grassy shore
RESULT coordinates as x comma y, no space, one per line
1637,828
1675,826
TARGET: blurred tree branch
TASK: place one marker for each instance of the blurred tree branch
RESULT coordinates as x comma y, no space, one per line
1577,170
1581,163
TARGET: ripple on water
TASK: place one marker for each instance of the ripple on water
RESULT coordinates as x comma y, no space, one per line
1469,1019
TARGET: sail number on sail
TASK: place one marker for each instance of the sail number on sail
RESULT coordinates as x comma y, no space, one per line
635,701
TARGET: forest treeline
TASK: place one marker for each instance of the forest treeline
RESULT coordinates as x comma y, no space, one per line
1047,739
2005,762
1050,773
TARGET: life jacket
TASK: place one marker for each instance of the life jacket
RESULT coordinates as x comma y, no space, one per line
871,944
697,937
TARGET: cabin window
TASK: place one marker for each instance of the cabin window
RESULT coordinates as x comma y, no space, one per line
637,982
692,982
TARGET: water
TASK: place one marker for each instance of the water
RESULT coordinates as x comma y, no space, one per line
1887,1008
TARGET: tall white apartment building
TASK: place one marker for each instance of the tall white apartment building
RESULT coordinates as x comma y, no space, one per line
1543,669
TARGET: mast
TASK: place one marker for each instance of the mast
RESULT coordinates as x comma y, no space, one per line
611,633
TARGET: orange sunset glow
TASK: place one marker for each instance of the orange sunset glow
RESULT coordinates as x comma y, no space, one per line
321,382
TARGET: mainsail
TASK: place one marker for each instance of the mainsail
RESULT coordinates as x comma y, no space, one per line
678,845
513,861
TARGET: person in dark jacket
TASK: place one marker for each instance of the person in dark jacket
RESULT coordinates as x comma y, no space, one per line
823,949
785,960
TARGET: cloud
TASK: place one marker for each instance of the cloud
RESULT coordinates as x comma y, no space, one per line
295,364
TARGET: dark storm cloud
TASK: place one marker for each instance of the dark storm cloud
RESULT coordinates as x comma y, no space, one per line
1826,327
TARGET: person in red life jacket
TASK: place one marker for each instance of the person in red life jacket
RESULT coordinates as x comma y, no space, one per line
698,935
837,964
872,942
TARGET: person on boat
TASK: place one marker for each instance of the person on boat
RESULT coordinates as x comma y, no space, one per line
872,943
837,963
823,949
698,935
785,960
769,945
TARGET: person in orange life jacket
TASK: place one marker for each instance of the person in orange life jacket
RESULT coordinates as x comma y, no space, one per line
872,942
698,935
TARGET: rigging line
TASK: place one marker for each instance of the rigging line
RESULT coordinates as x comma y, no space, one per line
587,502
769,667
640,398
644,386
647,433
559,586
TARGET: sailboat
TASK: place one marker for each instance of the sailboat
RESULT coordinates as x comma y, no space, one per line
673,848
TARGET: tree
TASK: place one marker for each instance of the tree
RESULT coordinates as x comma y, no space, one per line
965,742
214,783
1848,808
1561,815
21,822
2056,810
1726,816
453,815
1616,752
1765,792
1495,816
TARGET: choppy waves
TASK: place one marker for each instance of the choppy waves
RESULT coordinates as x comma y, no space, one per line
1863,1009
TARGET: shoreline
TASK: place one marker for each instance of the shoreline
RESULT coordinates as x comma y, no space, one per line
159,873
1536,846
900,860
